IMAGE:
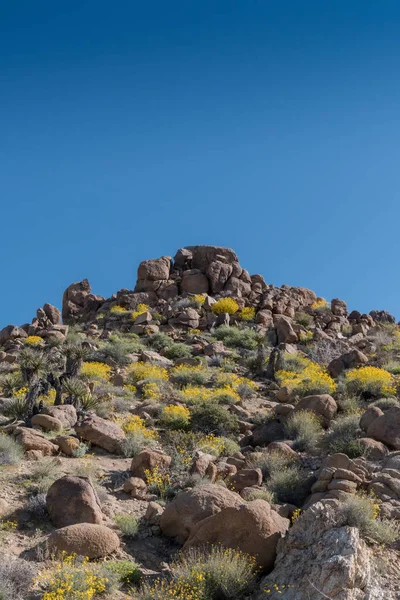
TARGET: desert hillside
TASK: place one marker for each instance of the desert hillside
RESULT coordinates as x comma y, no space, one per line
204,436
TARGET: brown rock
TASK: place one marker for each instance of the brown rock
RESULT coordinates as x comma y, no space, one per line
153,513
47,422
149,460
245,478
194,282
71,500
373,449
386,428
102,433
284,330
67,444
322,405
253,528
66,413
136,487
281,448
30,439
343,484
84,539
372,413
190,507
349,360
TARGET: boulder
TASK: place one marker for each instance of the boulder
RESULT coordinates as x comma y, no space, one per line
190,507
11,332
284,330
188,317
67,444
102,433
373,449
136,487
149,460
66,413
349,360
30,439
153,513
386,428
71,500
253,528
47,422
372,413
74,298
194,282
322,405
320,553
245,478
84,539
52,313
154,270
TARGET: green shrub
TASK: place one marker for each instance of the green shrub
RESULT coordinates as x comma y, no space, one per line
393,366
272,462
127,524
11,453
10,382
43,474
386,403
350,405
362,512
159,341
211,417
342,436
284,485
264,494
176,351
305,429
15,408
127,571
304,319
211,573
16,578
185,375
135,442
117,349
235,337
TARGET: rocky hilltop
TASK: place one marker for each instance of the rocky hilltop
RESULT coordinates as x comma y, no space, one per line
254,428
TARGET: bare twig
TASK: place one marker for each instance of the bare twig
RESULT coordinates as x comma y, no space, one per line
319,591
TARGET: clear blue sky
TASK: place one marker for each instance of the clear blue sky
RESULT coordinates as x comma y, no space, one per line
129,129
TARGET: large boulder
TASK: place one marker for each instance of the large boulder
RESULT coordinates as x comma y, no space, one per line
47,423
349,360
74,297
284,330
148,460
321,557
30,439
102,433
386,428
66,413
253,528
155,269
84,539
11,332
190,507
194,282
73,500
322,405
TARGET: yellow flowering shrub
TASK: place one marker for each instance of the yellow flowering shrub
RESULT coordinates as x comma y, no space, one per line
151,391
212,444
225,305
234,381
21,393
184,375
33,340
118,310
320,305
194,331
176,416
200,573
95,370
140,309
72,579
134,424
49,398
193,393
247,313
312,379
198,298
141,370
157,481
371,381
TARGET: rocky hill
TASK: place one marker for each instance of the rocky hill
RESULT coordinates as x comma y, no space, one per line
255,428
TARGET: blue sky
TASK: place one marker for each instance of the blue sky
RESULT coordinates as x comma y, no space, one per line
130,129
